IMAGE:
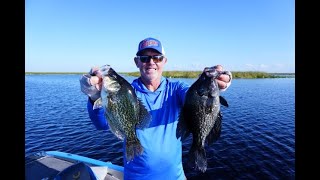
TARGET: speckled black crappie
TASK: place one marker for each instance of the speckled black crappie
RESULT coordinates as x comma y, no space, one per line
201,116
123,110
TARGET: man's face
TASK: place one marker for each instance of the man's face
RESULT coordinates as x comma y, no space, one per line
151,70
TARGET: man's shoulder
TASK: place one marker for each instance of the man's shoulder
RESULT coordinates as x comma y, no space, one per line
174,83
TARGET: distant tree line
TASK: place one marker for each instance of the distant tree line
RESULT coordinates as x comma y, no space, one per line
235,74
194,74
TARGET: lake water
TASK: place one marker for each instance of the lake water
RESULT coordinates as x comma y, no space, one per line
257,139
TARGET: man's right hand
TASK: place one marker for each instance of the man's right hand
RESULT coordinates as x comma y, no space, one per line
91,83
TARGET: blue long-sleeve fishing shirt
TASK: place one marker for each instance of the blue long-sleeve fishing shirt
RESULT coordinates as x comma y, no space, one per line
162,155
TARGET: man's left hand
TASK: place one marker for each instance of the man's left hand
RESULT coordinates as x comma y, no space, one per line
224,79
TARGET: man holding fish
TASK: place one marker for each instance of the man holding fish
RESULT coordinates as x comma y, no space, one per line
161,153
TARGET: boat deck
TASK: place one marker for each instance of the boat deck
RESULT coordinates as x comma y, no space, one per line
48,167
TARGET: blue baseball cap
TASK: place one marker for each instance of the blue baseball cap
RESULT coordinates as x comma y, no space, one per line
150,43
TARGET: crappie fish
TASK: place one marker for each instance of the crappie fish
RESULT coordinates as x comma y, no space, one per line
123,110
201,116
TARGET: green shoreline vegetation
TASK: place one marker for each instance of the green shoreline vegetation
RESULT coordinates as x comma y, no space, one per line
192,74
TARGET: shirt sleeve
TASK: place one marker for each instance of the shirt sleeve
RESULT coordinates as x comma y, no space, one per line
182,91
97,117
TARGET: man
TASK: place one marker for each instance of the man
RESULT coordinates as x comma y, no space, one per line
162,155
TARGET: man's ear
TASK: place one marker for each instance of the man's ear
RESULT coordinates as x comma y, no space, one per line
165,60
136,60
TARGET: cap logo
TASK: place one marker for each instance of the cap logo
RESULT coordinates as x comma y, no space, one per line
149,43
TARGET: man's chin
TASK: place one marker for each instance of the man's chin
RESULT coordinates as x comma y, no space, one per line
151,75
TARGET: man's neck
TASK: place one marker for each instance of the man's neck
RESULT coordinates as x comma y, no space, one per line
152,85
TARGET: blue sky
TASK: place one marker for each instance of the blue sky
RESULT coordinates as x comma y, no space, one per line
241,35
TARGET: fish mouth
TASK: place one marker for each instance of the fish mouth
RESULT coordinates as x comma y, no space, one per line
103,70
210,72
105,67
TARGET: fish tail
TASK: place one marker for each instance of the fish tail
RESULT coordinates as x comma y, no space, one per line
197,156
133,147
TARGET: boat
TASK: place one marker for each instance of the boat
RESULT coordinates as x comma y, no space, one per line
57,165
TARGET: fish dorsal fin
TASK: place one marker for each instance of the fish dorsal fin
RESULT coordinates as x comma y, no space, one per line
144,116
223,101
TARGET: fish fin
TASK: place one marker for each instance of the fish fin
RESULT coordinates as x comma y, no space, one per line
144,116
215,131
133,148
198,159
182,129
223,101
97,104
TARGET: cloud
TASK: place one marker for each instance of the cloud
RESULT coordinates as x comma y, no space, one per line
271,68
